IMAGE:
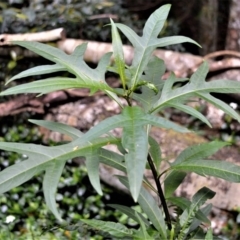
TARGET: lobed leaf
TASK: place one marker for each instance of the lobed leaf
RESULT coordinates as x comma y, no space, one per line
40,158
86,77
145,45
197,87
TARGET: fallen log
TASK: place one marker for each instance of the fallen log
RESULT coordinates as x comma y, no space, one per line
182,64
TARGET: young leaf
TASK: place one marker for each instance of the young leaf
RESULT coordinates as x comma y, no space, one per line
115,229
145,45
184,203
150,207
172,181
155,152
198,200
153,73
188,215
118,53
201,216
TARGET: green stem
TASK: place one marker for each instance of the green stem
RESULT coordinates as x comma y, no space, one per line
160,191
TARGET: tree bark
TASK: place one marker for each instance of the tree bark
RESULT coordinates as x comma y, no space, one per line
46,36
233,34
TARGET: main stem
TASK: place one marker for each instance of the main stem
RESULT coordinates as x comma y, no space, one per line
160,191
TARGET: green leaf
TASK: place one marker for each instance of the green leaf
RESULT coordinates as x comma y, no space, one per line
134,139
167,41
150,207
92,164
44,69
172,181
118,53
41,49
180,202
153,73
53,84
209,235
77,66
192,153
142,233
115,229
59,127
188,215
50,183
197,87
215,168
155,152
184,203
145,45
201,216
199,151
130,213
190,111
198,200
135,142
112,159
86,77
219,104
39,158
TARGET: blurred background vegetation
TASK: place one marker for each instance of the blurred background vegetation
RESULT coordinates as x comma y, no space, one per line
204,21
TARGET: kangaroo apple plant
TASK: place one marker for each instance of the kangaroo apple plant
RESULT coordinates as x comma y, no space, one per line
138,149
